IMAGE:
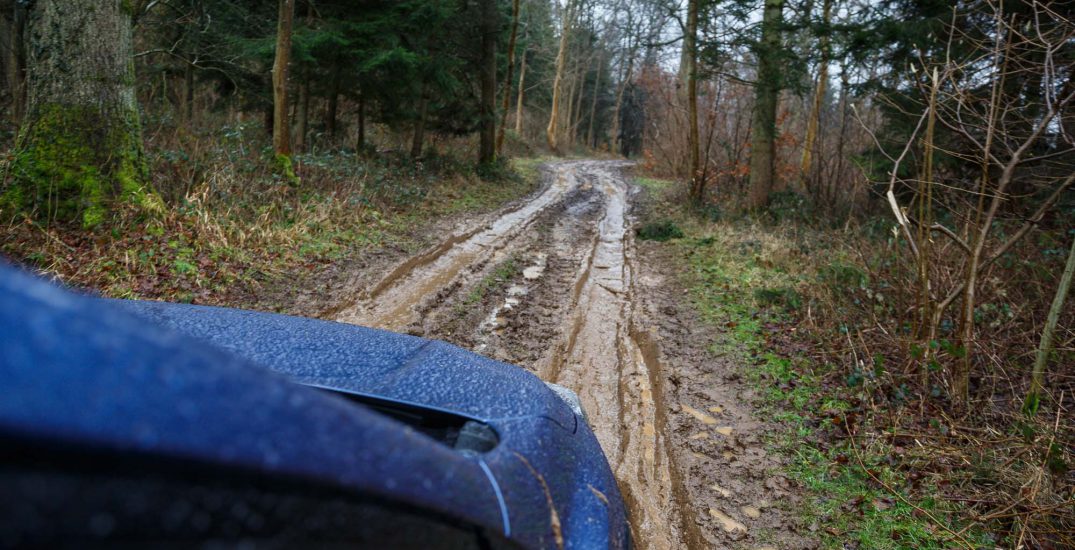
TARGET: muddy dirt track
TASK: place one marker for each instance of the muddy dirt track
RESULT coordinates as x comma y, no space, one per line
558,285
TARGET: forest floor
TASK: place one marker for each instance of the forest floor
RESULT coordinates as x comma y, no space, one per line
558,284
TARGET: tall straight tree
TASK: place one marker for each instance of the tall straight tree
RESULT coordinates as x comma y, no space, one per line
489,30
690,40
766,95
508,77
80,148
281,127
813,122
519,100
16,60
566,20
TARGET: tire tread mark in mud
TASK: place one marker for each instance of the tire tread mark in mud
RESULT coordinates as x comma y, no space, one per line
393,301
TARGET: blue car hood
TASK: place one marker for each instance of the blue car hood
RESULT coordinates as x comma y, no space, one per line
368,361
139,378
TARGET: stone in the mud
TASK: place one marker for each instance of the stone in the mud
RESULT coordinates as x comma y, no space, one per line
750,512
728,523
723,492
698,415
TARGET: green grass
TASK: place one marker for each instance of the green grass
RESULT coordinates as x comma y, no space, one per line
655,185
744,277
495,279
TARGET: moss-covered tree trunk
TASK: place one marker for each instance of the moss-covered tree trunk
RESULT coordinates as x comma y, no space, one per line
80,147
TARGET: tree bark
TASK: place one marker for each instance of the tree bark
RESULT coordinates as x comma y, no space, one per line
766,95
281,133
303,116
188,94
590,140
557,83
1045,346
418,141
16,63
332,107
819,97
80,148
628,71
361,121
487,145
507,78
519,102
576,120
689,46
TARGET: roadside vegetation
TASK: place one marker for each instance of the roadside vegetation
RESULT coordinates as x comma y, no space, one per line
804,307
232,226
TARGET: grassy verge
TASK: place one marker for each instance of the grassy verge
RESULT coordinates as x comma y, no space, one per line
231,224
758,284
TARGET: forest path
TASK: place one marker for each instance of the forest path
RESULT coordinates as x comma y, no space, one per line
558,285
561,264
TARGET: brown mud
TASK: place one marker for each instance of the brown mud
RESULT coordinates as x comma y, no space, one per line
558,285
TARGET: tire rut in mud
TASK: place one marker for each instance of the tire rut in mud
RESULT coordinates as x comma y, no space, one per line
550,287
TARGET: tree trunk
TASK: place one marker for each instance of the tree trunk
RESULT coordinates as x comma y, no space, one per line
1045,347
188,94
281,132
361,121
303,115
519,103
766,95
487,146
628,70
697,179
557,83
593,108
80,147
332,107
16,62
418,142
565,119
819,97
508,77
576,118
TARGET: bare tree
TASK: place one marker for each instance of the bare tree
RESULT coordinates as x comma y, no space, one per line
1021,155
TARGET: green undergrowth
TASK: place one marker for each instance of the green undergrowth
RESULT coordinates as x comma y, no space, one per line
749,281
232,225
